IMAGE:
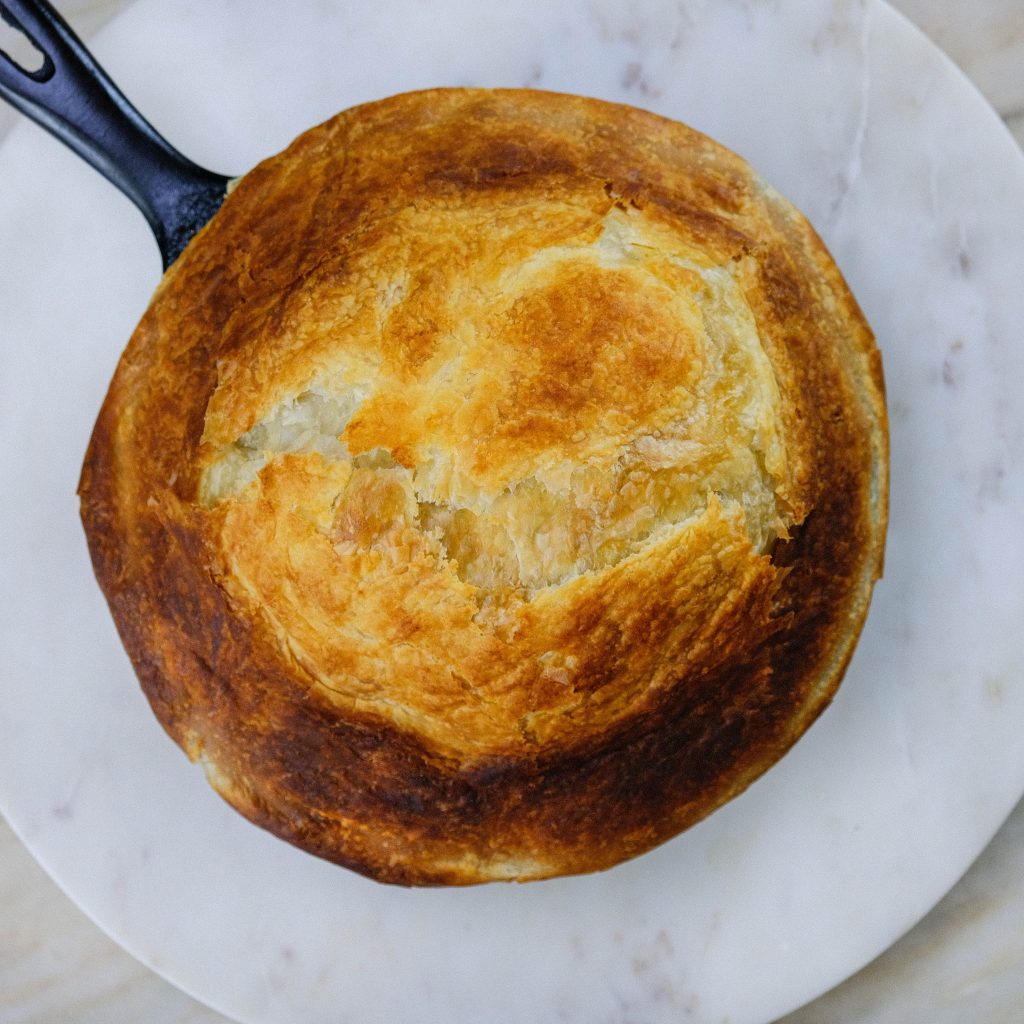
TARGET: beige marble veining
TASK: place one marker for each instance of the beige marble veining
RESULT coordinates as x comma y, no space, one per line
985,39
963,962
57,967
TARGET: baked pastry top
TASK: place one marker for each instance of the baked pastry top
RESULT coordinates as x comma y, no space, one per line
493,488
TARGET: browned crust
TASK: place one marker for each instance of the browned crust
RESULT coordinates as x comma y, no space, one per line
352,787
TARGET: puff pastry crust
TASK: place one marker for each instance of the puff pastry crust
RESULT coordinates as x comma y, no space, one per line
493,488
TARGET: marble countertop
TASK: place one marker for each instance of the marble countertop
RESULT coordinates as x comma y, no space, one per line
962,962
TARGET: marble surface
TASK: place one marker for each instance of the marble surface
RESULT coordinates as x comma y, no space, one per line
967,954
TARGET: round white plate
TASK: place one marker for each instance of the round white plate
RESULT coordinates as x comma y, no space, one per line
919,192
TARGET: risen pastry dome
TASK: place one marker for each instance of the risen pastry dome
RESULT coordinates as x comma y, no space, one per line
493,488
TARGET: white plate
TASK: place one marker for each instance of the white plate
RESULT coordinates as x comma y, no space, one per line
919,192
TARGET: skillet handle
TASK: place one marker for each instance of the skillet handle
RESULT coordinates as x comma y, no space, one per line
72,97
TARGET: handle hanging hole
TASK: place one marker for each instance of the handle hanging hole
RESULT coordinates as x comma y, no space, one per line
19,48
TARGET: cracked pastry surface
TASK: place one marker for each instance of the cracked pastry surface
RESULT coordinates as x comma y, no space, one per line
493,488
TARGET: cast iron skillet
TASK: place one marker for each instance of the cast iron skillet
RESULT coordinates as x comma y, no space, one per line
72,97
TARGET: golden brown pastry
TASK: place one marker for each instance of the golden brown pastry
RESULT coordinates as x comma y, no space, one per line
494,488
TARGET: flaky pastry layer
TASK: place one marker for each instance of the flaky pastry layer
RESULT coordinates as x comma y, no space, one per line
494,487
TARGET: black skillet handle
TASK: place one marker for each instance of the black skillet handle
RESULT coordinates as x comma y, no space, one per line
72,97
